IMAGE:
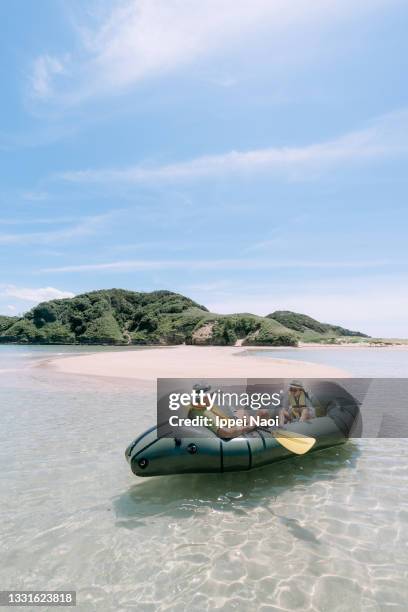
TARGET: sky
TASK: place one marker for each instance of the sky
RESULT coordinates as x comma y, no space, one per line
250,155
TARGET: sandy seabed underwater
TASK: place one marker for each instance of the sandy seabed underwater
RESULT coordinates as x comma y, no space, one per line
327,531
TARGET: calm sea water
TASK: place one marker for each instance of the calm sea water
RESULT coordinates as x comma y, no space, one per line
326,532
363,362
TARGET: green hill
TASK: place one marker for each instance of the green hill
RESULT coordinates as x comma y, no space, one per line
6,322
120,317
311,330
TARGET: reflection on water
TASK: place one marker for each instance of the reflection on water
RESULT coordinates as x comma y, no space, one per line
322,532
236,492
326,531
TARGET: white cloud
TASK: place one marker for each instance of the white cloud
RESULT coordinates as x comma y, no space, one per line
45,68
137,39
386,136
86,227
35,220
35,196
215,264
41,294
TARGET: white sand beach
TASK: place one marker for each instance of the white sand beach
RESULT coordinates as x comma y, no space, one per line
189,362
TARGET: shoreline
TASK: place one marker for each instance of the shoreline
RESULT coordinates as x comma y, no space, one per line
267,347
184,361
352,345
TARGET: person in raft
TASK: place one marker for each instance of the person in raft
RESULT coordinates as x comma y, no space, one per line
300,407
221,432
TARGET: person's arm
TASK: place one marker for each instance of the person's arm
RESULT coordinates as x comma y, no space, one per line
234,432
220,413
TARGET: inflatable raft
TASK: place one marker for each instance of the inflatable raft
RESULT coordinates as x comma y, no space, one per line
202,451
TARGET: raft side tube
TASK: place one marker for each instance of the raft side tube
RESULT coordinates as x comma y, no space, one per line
152,456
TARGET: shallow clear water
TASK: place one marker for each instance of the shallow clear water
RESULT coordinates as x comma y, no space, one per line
326,532
359,361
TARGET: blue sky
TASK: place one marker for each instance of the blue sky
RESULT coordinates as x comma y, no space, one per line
251,155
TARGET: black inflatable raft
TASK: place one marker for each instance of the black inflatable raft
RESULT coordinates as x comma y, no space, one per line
204,452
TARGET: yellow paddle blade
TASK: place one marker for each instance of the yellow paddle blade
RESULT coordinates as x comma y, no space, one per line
294,442
286,433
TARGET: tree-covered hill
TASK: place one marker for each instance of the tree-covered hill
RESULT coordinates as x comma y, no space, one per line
117,316
310,329
6,322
